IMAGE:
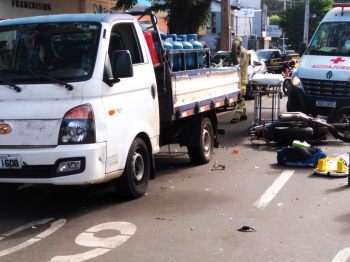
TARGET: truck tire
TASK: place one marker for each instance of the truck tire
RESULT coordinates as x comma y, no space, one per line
134,180
201,154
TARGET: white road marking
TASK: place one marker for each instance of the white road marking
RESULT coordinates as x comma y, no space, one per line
87,239
54,226
81,257
18,247
272,191
342,256
39,222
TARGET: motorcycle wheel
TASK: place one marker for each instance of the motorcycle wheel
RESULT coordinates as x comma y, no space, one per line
288,134
285,86
342,115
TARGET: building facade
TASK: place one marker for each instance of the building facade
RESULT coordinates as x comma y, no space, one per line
22,8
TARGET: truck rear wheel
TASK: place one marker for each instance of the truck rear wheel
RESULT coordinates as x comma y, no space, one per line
201,154
134,180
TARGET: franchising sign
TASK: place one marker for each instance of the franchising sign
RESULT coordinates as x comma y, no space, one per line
31,5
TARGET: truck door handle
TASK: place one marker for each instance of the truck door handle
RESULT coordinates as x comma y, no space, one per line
153,92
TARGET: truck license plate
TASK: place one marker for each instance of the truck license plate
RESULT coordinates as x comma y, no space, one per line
10,161
326,103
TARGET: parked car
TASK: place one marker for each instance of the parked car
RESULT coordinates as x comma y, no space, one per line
274,59
256,66
221,58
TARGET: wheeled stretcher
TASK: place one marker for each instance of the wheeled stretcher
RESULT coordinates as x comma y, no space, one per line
270,85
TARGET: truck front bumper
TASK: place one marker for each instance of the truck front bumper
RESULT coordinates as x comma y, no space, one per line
41,165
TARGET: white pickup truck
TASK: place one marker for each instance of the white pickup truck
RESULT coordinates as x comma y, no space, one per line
81,101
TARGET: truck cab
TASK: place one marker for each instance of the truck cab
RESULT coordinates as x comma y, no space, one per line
321,82
73,85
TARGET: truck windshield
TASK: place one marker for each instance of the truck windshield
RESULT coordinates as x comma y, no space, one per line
65,51
331,39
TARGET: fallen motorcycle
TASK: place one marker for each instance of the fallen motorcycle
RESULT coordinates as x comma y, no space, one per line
299,126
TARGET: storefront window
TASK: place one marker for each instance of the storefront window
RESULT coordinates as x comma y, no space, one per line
65,51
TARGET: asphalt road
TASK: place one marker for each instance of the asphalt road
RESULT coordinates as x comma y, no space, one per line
190,213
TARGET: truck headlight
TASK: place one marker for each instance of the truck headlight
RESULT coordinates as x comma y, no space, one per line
77,126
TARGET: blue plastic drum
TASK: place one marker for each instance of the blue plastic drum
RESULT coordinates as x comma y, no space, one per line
192,38
176,61
187,45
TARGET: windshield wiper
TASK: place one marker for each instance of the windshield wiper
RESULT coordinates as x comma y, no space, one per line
66,85
15,87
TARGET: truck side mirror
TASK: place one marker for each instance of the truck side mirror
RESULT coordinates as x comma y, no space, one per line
122,64
302,48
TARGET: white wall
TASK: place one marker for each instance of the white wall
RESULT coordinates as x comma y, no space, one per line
249,26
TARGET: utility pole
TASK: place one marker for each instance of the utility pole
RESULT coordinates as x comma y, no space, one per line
306,22
225,40
283,45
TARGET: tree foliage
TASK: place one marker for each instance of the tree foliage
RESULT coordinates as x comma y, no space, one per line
275,20
292,20
184,16
273,6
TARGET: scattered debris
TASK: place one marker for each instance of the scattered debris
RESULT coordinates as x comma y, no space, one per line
246,229
218,167
216,142
235,152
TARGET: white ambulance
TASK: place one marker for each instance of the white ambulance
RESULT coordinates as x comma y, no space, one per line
322,79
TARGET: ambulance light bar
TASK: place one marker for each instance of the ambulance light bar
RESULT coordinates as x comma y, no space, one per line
341,5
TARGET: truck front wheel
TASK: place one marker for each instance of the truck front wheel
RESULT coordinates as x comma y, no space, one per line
201,154
134,180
